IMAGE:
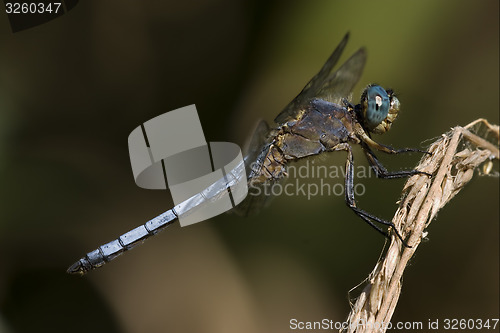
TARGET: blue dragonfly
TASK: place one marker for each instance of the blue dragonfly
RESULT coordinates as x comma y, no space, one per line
319,119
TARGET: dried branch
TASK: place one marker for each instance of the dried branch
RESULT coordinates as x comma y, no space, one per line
454,158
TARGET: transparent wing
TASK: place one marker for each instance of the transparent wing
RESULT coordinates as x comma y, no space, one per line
330,85
255,201
340,84
253,149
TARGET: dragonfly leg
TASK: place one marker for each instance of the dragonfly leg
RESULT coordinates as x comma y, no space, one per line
382,172
351,201
390,150
368,142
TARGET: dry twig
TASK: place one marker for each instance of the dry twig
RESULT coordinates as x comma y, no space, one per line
422,198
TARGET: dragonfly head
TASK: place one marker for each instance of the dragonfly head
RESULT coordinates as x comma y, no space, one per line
379,108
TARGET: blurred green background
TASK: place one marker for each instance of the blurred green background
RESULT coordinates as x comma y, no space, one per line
73,89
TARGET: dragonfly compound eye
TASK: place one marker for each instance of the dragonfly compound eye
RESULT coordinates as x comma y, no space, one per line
379,109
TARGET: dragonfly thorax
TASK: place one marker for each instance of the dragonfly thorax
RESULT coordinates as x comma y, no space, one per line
323,123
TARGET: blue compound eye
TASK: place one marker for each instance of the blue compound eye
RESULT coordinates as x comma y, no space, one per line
376,105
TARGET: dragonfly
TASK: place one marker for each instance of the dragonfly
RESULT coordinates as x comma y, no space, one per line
319,119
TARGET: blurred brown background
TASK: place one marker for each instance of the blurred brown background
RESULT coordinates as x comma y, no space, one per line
72,90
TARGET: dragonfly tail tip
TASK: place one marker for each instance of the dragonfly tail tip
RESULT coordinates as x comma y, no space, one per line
77,268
